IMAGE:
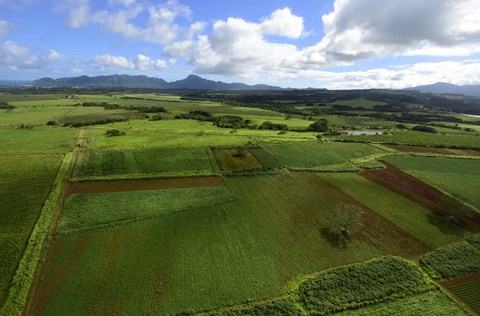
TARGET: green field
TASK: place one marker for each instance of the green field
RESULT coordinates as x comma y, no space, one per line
401,137
37,140
25,181
311,155
90,211
420,222
454,176
153,162
209,256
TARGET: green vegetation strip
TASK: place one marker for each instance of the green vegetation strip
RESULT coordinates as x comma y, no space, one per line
20,287
453,261
90,211
351,287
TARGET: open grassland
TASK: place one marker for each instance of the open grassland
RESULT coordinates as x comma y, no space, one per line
37,140
412,138
467,290
455,260
420,222
182,134
142,163
90,211
454,176
25,181
210,256
313,155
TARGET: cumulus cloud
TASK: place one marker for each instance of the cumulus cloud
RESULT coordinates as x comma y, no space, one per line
140,62
355,30
363,29
17,56
236,46
160,27
457,72
283,23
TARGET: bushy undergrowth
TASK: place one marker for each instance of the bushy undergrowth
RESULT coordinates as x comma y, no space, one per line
453,261
354,286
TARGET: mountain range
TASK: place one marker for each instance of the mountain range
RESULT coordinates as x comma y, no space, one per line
443,87
126,81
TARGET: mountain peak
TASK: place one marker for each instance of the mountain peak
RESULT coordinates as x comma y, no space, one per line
448,88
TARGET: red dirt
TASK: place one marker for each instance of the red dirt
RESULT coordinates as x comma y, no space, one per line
433,150
140,185
424,194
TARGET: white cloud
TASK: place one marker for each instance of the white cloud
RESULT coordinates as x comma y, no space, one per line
239,47
17,56
5,27
456,72
124,3
140,62
364,29
283,23
160,26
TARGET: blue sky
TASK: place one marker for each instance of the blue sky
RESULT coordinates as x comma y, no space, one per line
296,43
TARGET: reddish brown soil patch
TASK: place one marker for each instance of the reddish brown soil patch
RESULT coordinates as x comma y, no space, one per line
140,185
466,289
423,193
433,150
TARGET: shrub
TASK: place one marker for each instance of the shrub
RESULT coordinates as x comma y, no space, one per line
114,132
320,125
423,128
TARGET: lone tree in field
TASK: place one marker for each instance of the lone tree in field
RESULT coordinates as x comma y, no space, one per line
349,218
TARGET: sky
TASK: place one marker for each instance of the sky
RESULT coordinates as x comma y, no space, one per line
334,44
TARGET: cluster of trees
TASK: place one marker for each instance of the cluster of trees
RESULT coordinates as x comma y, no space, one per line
424,128
96,122
105,105
5,106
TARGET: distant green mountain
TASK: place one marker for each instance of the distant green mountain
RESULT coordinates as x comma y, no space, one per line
126,81
448,88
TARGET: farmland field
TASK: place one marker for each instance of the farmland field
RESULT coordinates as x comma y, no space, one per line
454,176
25,181
312,155
431,229
271,234
117,164
188,206
467,290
